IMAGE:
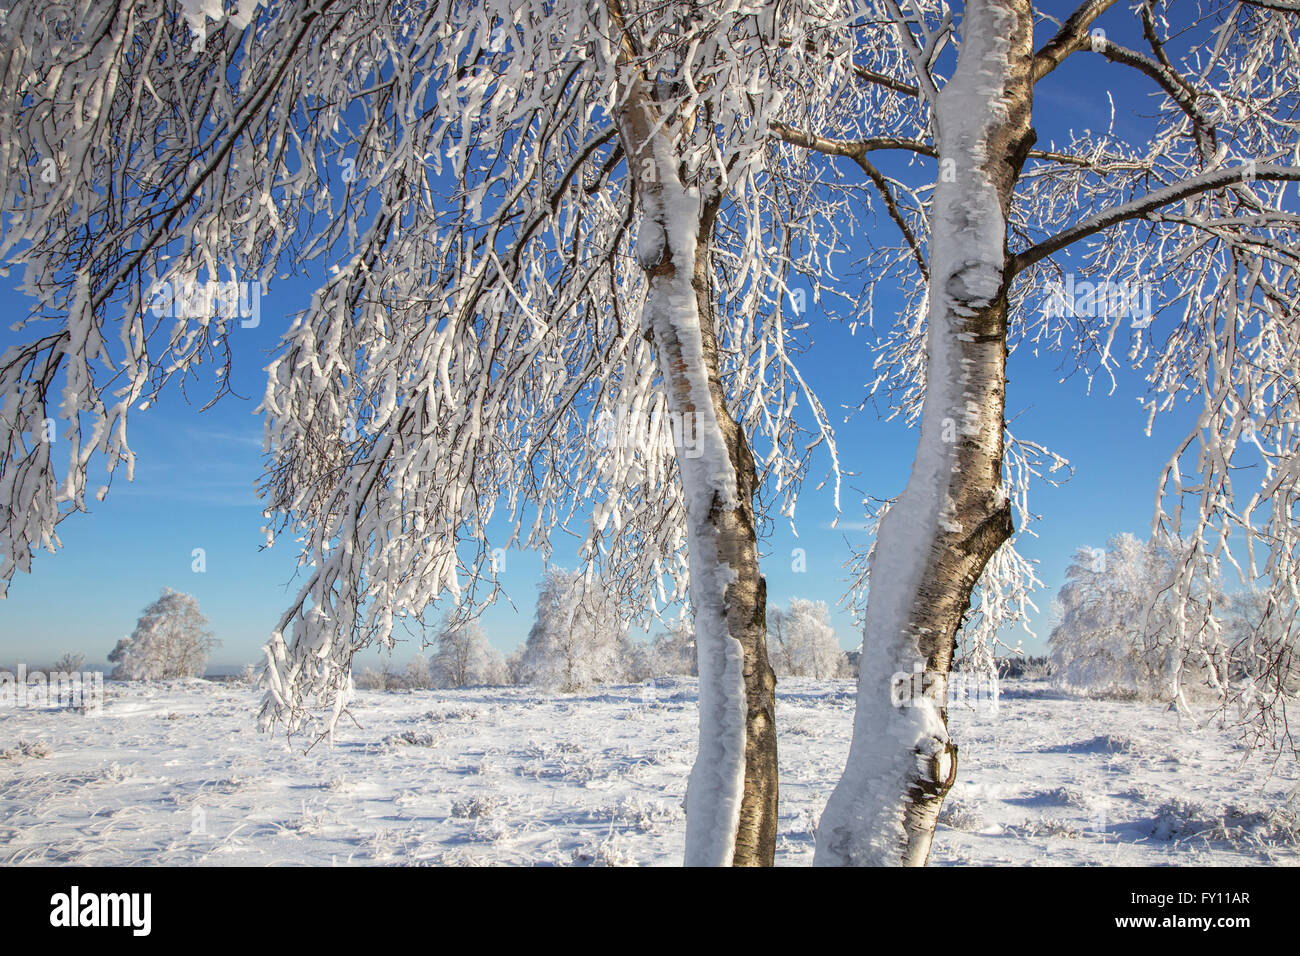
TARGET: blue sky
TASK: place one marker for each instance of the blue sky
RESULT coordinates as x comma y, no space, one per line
196,471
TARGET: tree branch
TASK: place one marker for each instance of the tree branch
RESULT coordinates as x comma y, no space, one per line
857,151
1169,80
898,86
925,82
856,147
1287,6
1139,208
1072,37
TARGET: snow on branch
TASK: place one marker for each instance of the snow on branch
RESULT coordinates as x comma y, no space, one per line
471,377
1157,199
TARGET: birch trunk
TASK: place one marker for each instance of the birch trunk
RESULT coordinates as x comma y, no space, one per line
731,800
953,514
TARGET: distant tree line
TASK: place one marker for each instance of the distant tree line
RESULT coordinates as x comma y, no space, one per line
579,640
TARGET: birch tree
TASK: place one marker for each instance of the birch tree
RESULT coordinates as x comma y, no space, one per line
171,639
544,223
464,658
991,232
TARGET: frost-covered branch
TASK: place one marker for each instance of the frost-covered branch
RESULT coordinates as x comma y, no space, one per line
1074,35
472,376
1144,206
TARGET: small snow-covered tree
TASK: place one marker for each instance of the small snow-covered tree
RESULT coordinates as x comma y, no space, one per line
171,639
673,651
577,639
418,675
381,679
464,658
70,662
802,641
515,667
638,661
1114,618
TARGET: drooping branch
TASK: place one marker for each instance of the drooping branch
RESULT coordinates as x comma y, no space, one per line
858,153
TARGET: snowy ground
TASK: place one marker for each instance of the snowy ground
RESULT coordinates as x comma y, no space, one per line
178,774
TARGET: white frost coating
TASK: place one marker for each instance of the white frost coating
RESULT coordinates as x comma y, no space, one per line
716,786
650,244
863,822
197,12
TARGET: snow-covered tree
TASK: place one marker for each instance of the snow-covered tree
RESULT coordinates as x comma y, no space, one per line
418,674
542,218
464,658
515,666
577,639
171,639
381,679
803,642
1115,619
539,218
673,651
1120,631
638,662
69,662
995,232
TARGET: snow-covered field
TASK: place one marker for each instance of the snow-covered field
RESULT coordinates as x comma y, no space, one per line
177,773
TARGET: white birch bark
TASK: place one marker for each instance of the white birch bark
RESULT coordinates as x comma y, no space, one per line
731,794
953,514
